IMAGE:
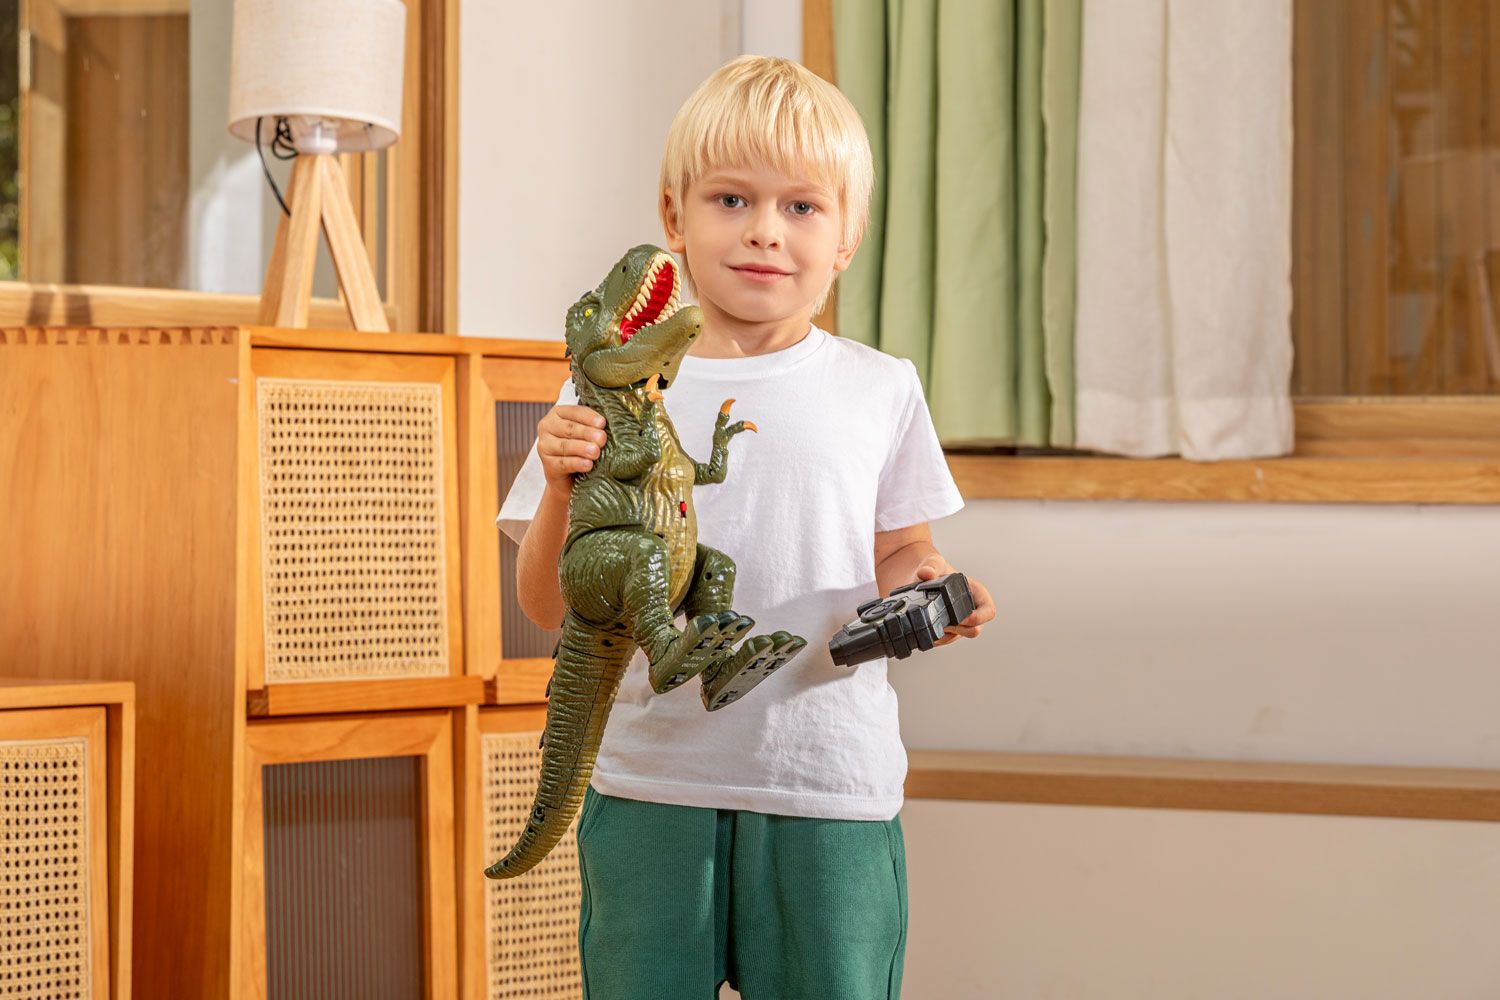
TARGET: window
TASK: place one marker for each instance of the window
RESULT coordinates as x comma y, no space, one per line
124,200
1396,233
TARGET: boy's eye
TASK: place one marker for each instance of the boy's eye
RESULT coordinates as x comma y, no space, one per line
729,197
797,205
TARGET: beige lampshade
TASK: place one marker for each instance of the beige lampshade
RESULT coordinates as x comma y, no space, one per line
339,60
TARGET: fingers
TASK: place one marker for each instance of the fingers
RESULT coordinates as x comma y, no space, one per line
955,632
569,439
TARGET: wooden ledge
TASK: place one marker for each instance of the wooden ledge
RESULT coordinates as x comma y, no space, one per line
1277,480
52,692
404,343
519,682
1234,786
1348,450
326,697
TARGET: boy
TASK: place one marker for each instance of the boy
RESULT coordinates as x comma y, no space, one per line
760,844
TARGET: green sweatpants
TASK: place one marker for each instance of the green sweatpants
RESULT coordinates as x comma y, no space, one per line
678,899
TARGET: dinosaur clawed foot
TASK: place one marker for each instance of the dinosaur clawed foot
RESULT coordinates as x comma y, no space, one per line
738,672
704,640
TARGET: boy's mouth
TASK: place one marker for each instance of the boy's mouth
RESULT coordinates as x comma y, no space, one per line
758,275
655,300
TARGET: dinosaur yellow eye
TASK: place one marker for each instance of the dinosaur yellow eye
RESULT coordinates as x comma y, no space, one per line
588,312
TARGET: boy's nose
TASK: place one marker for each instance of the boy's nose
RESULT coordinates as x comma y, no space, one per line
762,232
763,239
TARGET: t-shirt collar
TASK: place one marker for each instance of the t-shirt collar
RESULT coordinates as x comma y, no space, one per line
756,364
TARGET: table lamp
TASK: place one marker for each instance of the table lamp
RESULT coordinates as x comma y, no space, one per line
322,76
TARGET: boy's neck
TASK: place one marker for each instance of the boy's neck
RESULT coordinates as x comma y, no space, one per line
726,336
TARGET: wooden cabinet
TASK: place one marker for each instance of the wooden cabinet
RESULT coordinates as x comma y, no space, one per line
66,817
286,540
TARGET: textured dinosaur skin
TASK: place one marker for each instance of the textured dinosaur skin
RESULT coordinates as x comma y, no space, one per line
631,558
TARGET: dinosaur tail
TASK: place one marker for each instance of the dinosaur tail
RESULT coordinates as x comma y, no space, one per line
585,677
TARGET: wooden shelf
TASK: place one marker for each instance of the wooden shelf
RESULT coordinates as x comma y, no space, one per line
519,682
1235,786
1278,480
324,697
29,692
1351,450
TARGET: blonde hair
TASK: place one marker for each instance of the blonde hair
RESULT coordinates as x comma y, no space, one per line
761,110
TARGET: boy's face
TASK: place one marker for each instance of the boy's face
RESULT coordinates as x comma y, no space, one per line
762,246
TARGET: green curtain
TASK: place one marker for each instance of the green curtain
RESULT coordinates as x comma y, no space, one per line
968,264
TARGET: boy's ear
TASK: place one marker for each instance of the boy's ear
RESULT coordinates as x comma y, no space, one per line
844,255
669,224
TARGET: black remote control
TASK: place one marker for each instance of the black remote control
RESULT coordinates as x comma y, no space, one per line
913,617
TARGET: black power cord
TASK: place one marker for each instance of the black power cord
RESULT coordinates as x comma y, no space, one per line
282,148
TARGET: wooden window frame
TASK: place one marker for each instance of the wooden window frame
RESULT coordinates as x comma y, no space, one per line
1400,450
420,212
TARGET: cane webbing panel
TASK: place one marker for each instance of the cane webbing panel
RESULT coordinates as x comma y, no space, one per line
531,922
44,872
352,530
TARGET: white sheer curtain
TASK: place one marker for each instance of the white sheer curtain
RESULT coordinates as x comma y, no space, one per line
1183,333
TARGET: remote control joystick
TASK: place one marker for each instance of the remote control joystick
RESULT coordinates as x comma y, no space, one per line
912,618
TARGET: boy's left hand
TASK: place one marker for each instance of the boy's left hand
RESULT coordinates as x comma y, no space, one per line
984,607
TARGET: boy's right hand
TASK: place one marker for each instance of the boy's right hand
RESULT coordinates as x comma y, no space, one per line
568,440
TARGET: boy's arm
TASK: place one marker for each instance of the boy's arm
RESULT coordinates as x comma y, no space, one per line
537,588
907,554
898,554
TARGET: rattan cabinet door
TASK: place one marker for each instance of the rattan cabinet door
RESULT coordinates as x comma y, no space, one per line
530,922
348,878
355,570
54,861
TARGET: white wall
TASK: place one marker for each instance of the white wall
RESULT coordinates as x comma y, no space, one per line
1350,634
1298,633
1073,903
1330,633
563,110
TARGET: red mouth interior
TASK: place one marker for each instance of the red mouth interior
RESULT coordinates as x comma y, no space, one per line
661,291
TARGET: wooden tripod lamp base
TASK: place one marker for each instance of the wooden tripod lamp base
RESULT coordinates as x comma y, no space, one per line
318,197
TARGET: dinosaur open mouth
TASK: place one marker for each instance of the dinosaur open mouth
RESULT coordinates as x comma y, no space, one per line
656,300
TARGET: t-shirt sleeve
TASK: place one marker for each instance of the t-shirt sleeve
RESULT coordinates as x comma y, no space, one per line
526,491
915,485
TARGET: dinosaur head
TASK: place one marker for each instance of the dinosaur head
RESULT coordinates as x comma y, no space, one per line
632,327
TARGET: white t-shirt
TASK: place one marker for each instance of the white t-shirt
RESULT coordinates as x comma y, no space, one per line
845,447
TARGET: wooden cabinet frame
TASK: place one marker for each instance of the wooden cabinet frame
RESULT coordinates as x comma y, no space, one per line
427,736
485,381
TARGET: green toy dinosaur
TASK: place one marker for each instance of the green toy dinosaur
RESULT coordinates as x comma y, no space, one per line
631,558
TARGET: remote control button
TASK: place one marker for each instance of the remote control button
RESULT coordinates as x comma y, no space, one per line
879,611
